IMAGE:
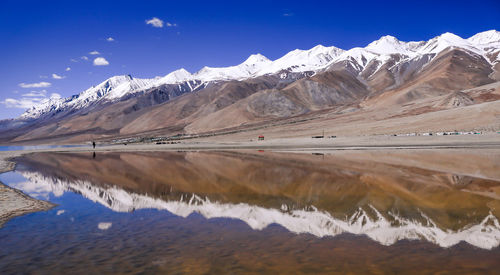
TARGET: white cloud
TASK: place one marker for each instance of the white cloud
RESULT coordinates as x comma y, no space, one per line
41,93
84,58
110,39
56,76
35,85
68,69
155,22
171,24
94,53
74,60
29,100
44,76
100,61
23,103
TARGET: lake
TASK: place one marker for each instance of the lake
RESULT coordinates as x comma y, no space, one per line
365,211
36,147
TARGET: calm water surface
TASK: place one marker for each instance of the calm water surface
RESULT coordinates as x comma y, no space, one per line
257,212
37,147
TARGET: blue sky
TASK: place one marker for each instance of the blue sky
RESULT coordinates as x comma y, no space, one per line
42,38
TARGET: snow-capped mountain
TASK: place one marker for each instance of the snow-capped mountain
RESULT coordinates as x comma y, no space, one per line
247,69
487,38
386,229
113,88
174,77
316,59
391,45
448,40
303,60
383,49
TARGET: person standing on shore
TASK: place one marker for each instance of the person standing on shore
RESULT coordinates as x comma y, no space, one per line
93,144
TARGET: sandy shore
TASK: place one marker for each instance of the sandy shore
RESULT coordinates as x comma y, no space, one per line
15,203
485,141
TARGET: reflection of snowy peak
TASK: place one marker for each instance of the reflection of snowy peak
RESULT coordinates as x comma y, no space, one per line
385,229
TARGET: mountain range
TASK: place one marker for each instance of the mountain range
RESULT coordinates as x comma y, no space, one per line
385,87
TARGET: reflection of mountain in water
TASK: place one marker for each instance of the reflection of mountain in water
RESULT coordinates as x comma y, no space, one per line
385,228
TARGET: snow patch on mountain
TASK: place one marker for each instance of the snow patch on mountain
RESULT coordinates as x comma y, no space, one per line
360,57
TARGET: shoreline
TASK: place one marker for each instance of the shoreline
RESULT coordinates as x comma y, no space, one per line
491,141
15,203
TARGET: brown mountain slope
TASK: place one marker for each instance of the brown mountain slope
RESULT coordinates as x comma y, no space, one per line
107,121
451,71
319,92
187,108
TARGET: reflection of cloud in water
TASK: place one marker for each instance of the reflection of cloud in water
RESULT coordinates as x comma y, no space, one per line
104,225
485,235
40,190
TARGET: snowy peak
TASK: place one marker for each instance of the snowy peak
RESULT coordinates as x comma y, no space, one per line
303,60
111,89
447,40
484,38
249,68
384,40
451,37
117,80
115,88
257,64
315,56
380,51
42,108
110,84
174,77
389,45
358,56
255,59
